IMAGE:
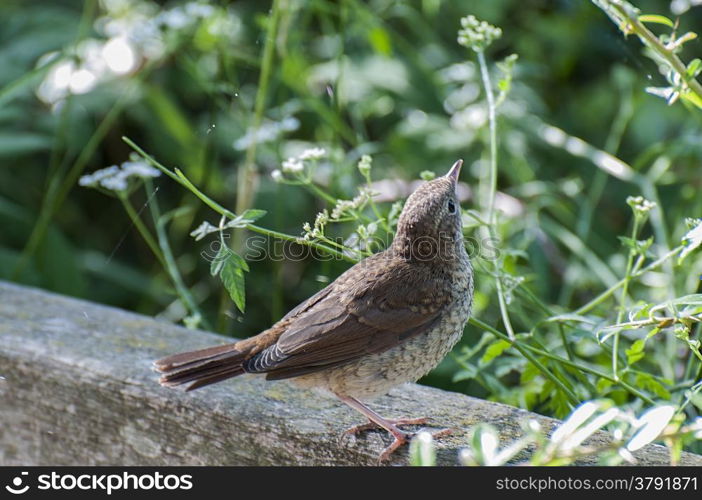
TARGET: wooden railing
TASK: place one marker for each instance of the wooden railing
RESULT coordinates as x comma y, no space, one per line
76,388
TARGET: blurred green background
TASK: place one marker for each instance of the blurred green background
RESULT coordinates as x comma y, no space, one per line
384,78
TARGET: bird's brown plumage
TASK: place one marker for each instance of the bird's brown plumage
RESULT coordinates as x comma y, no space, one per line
388,319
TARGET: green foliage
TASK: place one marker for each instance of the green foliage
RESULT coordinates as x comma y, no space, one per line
232,274
583,208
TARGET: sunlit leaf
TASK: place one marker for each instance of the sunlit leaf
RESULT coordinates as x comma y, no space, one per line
494,350
636,351
657,19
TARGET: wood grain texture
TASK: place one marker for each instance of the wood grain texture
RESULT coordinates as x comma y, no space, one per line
76,388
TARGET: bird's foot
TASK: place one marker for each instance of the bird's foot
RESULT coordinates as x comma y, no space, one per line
403,438
370,425
400,437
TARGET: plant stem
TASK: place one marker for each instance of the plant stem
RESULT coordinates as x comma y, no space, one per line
623,296
56,195
492,188
607,293
526,347
141,227
169,260
247,173
633,25
181,179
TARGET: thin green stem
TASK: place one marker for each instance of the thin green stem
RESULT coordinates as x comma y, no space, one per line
316,190
633,25
141,227
181,179
607,293
526,347
55,197
383,222
169,260
492,188
623,296
247,173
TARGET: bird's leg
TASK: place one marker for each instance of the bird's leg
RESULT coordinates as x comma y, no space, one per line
400,437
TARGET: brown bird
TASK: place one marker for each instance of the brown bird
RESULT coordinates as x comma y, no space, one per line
389,319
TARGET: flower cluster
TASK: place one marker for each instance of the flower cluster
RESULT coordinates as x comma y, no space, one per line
132,34
477,35
268,131
316,232
296,164
116,178
343,207
640,205
364,165
362,239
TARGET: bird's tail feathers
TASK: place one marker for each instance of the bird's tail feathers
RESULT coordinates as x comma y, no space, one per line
202,367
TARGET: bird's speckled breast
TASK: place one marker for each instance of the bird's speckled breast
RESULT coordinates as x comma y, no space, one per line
375,374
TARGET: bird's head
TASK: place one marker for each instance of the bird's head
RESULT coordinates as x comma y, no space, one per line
430,226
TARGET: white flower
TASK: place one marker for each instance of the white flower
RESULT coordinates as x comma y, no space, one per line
93,179
640,204
268,131
277,175
117,182
115,178
343,206
312,154
140,169
293,165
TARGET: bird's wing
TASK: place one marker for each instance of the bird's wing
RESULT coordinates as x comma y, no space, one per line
367,310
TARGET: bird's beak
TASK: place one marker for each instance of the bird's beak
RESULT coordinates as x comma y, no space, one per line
455,171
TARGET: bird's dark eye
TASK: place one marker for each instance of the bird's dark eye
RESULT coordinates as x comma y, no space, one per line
451,207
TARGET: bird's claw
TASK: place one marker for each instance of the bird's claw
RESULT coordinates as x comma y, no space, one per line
404,438
400,437
370,425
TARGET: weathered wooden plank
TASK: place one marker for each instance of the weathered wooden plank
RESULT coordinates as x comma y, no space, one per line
77,389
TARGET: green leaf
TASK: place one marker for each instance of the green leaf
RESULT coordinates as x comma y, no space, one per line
636,351
694,67
240,261
559,403
655,18
469,372
603,385
694,300
232,275
649,383
218,261
692,98
253,214
494,349
249,216
529,373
